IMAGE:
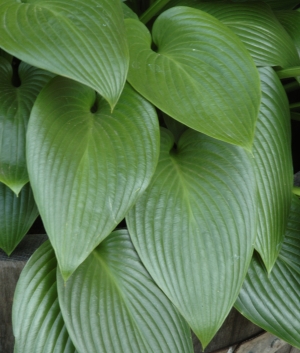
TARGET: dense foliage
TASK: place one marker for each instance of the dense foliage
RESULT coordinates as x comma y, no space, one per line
175,116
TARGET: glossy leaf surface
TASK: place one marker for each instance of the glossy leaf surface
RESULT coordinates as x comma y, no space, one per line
88,166
258,28
17,214
272,301
15,107
82,40
194,227
37,320
198,61
111,304
274,168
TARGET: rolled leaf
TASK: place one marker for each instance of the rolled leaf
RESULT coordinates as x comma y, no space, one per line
15,107
258,28
111,304
198,61
271,301
88,166
273,165
37,321
195,225
17,214
84,41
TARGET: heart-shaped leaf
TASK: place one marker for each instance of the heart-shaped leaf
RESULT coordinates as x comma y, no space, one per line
195,225
258,28
111,304
274,168
37,320
291,22
17,214
198,61
15,107
81,40
88,166
271,301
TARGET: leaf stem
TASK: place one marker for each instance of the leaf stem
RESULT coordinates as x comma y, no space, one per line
292,86
296,190
295,116
290,72
153,10
295,105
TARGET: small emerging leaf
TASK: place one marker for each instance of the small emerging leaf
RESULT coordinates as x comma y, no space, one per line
88,166
111,304
195,225
201,75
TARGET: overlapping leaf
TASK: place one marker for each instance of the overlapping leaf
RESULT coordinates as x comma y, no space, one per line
291,22
258,28
17,214
37,320
198,61
274,169
83,40
111,304
15,107
87,169
272,301
194,227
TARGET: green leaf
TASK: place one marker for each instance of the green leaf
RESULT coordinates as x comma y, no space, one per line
15,107
274,168
84,41
17,214
111,304
88,166
258,28
272,301
195,225
290,20
198,61
37,320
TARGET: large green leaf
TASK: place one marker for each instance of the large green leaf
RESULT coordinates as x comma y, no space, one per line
37,320
274,168
201,74
291,22
17,214
83,40
15,107
258,28
111,304
88,166
195,225
272,301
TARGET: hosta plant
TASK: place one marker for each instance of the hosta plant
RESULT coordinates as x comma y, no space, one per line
154,140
